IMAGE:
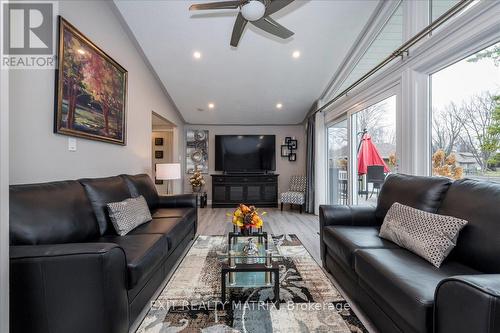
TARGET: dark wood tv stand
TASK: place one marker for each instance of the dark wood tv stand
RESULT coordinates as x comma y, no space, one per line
229,190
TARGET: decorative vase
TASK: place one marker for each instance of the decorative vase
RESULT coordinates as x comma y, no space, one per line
196,189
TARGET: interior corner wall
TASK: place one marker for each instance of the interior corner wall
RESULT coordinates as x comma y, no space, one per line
39,155
284,168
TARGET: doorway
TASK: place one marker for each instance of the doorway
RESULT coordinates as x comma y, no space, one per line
162,147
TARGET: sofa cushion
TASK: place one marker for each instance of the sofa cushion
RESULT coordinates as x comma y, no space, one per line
403,284
143,253
102,191
424,193
49,213
175,229
184,212
477,202
343,241
142,185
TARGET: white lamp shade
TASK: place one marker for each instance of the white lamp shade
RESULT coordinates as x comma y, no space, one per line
167,171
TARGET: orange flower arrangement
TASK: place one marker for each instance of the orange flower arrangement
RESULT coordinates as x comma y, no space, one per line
246,217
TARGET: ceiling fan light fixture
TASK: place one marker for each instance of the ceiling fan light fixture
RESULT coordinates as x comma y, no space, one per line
253,10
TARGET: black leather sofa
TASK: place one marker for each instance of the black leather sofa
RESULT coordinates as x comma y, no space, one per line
398,290
70,271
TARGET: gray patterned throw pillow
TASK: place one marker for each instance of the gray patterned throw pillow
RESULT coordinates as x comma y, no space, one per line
431,236
128,214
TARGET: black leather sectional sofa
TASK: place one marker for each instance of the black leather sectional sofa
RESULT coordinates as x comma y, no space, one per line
398,290
70,272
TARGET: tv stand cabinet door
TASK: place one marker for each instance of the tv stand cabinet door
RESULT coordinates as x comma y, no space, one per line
236,193
219,193
270,193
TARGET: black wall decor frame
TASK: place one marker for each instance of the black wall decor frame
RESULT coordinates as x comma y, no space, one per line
288,149
158,154
158,141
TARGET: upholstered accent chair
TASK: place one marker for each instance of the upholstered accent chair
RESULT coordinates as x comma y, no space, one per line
296,194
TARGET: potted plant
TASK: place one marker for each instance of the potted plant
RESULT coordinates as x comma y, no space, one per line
197,181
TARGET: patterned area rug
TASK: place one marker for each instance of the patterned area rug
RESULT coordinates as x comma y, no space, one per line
191,301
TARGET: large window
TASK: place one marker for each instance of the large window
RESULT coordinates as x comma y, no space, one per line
338,163
374,131
466,117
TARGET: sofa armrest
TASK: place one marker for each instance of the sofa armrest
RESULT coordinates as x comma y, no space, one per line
343,215
78,287
347,215
468,303
176,201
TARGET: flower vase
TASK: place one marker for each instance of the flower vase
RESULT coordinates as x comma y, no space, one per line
196,189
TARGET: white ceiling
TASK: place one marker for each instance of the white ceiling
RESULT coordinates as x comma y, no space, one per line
247,82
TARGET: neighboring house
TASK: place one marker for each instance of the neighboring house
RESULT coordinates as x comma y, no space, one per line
467,162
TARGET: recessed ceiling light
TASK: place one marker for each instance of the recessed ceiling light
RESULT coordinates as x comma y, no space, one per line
196,55
211,105
279,106
296,54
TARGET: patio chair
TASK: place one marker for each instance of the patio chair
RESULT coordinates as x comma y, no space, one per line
296,194
376,176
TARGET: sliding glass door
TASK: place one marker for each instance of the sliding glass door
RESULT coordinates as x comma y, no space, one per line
374,137
338,163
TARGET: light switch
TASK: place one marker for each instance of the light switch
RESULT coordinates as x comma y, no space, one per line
72,144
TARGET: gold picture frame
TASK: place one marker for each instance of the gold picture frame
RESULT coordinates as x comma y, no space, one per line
91,90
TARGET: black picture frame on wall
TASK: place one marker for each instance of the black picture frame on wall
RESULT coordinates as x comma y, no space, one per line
158,141
292,157
287,139
292,144
284,151
158,154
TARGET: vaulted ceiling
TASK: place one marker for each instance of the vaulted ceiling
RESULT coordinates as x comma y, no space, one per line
245,84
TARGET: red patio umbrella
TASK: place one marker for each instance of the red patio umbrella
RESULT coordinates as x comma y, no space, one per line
369,155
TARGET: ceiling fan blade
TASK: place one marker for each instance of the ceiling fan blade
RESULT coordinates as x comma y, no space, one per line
216,5
238,28
276,5
273,27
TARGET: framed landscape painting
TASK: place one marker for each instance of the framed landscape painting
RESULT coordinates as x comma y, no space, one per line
91,89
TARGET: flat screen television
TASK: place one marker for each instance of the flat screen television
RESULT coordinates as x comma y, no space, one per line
245,153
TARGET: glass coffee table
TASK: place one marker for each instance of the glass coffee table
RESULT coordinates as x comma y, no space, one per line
250,261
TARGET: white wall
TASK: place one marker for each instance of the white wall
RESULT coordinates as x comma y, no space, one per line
284,167
39,155
4,201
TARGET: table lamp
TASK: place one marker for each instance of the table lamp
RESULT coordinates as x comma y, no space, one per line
168,172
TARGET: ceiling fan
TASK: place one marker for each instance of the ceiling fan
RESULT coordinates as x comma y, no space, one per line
254,11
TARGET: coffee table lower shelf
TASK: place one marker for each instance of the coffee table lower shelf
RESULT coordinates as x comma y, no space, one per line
274,278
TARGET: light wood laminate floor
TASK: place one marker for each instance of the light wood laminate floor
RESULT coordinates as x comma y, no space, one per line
213,221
